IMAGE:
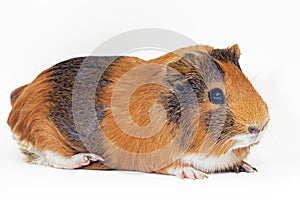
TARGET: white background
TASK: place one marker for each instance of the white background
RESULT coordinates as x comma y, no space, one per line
38,34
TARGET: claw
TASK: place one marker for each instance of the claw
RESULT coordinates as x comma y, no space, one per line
245,167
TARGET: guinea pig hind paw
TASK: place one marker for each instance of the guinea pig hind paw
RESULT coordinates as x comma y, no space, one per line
188,172
82,159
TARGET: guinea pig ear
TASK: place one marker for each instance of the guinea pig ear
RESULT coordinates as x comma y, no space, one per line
231,54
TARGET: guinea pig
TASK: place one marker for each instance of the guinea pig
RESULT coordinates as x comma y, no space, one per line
188,113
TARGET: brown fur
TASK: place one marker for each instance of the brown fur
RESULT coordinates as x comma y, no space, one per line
140,102
33,125
29,122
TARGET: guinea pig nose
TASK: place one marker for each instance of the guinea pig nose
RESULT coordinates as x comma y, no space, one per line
253,129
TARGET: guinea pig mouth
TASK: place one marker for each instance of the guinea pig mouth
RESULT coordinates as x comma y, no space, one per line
245,140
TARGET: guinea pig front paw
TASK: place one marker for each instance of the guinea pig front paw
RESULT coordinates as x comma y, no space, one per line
245,167
187,172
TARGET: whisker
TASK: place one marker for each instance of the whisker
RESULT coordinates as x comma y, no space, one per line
256,77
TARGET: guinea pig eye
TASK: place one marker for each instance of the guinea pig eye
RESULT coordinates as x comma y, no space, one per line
216,96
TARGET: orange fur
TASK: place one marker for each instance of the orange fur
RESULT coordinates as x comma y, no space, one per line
140,103
30,122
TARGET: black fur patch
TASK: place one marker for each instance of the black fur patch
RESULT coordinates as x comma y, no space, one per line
195,70
221,124
62,79
224,55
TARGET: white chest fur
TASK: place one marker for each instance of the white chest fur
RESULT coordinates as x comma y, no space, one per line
210,163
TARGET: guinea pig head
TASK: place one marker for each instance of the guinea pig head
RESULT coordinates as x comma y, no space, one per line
232,113
246,108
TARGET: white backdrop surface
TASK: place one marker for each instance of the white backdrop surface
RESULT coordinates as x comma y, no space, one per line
37,34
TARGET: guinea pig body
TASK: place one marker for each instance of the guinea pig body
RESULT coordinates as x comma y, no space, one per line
187,113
